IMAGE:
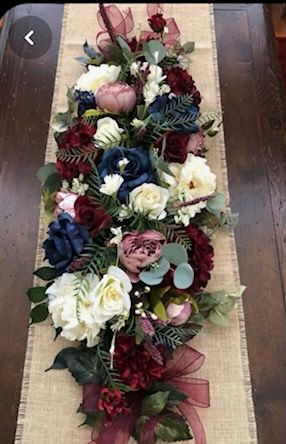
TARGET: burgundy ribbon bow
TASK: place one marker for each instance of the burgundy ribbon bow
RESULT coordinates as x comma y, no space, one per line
113,22
183,362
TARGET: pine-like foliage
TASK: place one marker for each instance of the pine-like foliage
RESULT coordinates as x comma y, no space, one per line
76,155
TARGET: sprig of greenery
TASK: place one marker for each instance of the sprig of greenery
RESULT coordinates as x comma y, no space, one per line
76,155
109,375
178,105
172,336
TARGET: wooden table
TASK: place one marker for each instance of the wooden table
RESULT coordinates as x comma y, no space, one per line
254,119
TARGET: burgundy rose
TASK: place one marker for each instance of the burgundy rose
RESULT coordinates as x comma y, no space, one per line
176,147
181,83
112,403
135,364
201,257
140,249
157,23
91,215
77,136
70,170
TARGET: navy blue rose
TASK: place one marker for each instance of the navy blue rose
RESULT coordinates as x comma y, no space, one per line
137,171
157,107
65,241
86,100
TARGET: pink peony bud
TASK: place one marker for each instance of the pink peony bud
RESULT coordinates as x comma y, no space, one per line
116,97
179,314
65,202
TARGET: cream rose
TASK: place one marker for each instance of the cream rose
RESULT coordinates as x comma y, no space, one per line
111,295
74,315
149,199
191,180
97,76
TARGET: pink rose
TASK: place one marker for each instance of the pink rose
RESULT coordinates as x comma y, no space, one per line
179,314
195,144
116,97
65,202
140,249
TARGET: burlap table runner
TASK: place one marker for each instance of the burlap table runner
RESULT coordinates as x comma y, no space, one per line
47,412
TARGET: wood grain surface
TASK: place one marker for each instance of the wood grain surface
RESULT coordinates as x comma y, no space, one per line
254,121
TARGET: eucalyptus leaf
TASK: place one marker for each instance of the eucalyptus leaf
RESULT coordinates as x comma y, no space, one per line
163,166
154,404
183,276
154,52
189,47
215,204
175,253
62,121
218,318
83,59
45,171
91,52
154,276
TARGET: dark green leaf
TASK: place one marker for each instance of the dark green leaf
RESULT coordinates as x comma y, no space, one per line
163,166
37,294
53,182
91,419
173,428
45,171
39,313
47,273
175,396
154,404
61,360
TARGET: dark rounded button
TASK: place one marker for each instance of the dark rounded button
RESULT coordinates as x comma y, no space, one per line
30,37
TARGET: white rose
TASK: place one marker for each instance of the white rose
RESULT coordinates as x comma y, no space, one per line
149,199
72,314
111,295
108,132
97,76
112,183
192,179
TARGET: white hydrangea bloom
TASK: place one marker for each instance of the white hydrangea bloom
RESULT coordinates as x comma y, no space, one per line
112,183
75,316
191,180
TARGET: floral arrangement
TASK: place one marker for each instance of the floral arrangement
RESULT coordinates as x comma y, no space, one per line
132,208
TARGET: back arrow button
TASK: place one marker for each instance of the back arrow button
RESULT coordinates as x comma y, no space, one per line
28,38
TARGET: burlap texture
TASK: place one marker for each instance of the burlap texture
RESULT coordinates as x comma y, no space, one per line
47,412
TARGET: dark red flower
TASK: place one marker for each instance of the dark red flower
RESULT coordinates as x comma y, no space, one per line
201,257
77,136
91,215
157,22
181,83
112,402
135,364
70,170
176,147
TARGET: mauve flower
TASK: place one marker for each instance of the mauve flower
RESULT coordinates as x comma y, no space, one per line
195,143
116,97
140,249
65,203
179,314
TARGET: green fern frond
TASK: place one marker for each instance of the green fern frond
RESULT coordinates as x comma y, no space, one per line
75,155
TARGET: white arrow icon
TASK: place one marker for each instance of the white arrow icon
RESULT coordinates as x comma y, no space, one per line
28,39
